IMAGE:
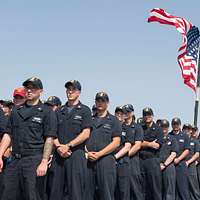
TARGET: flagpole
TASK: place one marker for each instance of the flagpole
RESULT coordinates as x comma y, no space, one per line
196,108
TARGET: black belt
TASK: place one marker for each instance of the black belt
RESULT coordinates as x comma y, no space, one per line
28,153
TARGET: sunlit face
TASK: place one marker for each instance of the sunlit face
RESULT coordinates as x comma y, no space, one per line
101,105
6,110
188,131
32,93
72,93
128,115
165,129
195,133
176,127
18,100
120,116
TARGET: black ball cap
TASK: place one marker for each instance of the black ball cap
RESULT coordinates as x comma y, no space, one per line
164,123
128,108
102,96
147,111
176,120
187,126
119,109
158,121
8,103
195,128
34,81
53,101
74,83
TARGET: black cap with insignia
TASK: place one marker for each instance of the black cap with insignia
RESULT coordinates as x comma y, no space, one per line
102,96
8,103
74,83
176,120
158,122
34,81
187,126
164,123
147,111
53,101
195,128
128,108
119,109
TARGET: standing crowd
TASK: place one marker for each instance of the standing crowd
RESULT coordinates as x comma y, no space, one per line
50,151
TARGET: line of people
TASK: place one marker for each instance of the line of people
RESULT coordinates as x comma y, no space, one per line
51,151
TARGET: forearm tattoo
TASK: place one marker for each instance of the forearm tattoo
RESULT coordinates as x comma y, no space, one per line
48,147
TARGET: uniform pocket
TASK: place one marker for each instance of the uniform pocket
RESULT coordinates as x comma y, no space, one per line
76,126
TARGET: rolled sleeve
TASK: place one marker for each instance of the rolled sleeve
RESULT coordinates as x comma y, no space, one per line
159,138
175,147
50,124
139,133
187,143
116,128
87,119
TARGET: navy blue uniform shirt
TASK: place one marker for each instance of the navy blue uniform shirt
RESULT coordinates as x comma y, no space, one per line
153,133
169,145
183,141
29,126
72,121
194,147
103,130
134,132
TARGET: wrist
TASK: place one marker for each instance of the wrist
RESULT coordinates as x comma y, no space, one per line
100,154
164,165
57,146
70,145
44,161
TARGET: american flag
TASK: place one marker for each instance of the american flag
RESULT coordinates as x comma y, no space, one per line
189,50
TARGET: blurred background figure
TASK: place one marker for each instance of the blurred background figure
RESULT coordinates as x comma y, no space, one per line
54,102
159,122
7,107
119,113
19,96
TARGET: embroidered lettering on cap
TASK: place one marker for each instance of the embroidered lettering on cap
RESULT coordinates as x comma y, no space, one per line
50,98
33,79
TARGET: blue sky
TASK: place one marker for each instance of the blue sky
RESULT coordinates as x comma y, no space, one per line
107,45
